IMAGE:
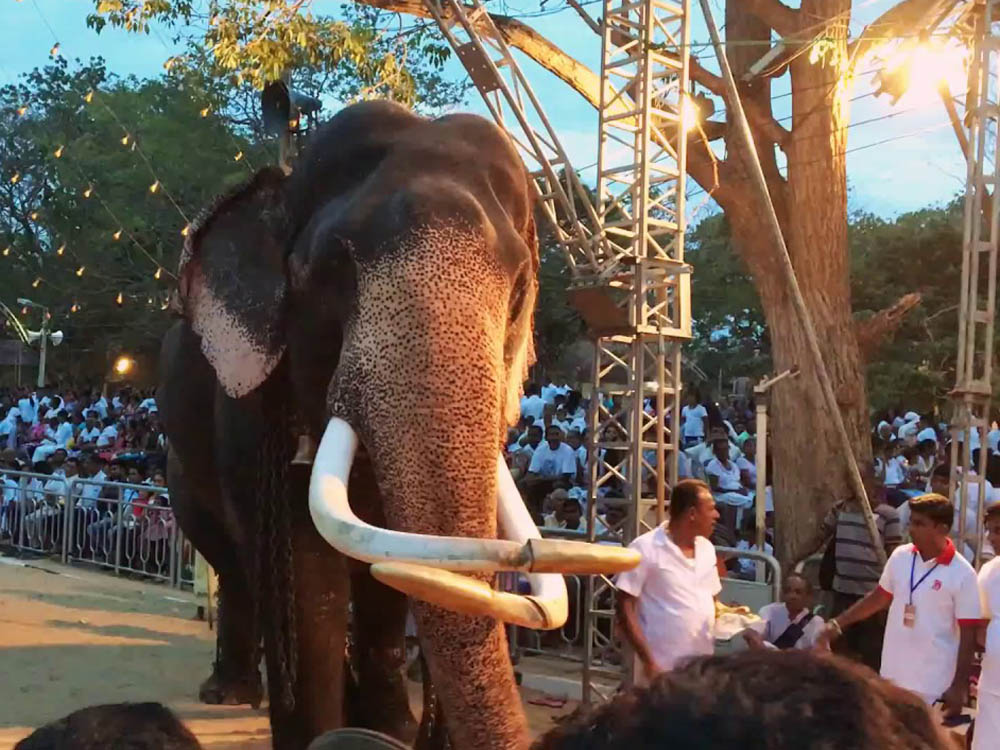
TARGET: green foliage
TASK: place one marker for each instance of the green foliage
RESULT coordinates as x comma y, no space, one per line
557,324
917,252
122,233
365,52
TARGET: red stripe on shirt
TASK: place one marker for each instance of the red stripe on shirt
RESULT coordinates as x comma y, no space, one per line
971,623
887,593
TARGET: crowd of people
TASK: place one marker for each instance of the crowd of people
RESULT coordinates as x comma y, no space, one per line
77,446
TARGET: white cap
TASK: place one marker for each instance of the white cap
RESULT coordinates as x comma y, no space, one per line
911,416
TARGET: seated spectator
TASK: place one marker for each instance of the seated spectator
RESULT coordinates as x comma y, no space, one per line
789,623
87,439
566,516
778,700
109,435
724,477
553,460
748,541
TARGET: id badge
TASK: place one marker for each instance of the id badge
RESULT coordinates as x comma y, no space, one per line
909,616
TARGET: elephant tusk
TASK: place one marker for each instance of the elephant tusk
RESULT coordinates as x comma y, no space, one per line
470,596
341,528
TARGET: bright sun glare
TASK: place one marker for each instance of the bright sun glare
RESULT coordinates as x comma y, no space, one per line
912,72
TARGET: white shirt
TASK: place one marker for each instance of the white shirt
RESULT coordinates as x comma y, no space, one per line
533,406
922,658
27,408
101,407
895,471
675,594
927,434
10,490
693,424
774,621
63,434
90,492
149,404
89,436
547,462
729,478
749,565
108,436
993,440
989,587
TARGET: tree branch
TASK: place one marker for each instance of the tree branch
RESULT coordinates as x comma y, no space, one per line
906,17
877,330
760,119
784,20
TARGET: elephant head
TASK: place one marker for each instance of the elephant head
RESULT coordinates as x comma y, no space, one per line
395,270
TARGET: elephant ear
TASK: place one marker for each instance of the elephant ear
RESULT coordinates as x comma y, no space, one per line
232,283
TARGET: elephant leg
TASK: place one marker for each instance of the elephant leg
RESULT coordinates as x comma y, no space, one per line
235,677
320,589
379,655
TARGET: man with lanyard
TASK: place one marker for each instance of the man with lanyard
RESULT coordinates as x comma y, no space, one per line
934,610
988,697
668,601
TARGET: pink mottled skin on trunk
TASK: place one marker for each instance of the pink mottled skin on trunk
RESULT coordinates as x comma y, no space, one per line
424,382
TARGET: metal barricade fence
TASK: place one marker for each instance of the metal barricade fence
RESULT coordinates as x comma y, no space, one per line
32,512
114,525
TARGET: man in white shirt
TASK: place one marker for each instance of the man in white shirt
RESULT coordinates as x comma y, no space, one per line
695,418
532,405
108,435
988,697
64,430
789,623
87,439
553,459
89,493
667,602
934,610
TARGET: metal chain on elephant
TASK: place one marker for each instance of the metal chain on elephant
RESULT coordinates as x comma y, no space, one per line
276,580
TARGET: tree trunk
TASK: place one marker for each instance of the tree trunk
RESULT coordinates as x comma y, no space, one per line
809,465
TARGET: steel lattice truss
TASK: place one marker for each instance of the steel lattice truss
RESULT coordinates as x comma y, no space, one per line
626,253
977,301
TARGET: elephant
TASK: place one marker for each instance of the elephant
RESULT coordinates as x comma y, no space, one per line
349,348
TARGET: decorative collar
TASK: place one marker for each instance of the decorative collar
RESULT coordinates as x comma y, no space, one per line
946,556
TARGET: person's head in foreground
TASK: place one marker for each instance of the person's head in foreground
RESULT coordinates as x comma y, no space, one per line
692,508
757,700
931,517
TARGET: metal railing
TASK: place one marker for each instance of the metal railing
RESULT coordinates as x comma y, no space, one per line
127,528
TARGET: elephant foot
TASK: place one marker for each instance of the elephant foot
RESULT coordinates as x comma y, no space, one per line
217,691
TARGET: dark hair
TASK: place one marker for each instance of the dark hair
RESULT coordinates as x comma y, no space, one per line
141,726
927,443
799,577
781,700
684,496
936,507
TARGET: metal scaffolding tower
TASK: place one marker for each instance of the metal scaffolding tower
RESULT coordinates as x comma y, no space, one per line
977,301
626,253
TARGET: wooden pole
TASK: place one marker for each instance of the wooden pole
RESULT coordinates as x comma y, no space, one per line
805,319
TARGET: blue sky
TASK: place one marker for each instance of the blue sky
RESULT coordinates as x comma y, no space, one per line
918,164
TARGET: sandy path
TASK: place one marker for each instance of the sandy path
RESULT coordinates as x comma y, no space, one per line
70,638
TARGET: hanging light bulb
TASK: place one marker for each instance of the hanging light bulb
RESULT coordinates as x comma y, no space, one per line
205,111
55,49
75,308
88,192
16,178
36,282
149,300
80,270
61,249
89,96
238,156
117,235
159,272
58,152
154,187
165,305
185,230
119,300
34,215
6,250
125,139
24,310
22,111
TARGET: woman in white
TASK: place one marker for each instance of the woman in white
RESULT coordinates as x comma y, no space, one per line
987,729
725,479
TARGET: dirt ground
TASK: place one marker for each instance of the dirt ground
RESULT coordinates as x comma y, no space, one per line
71,637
